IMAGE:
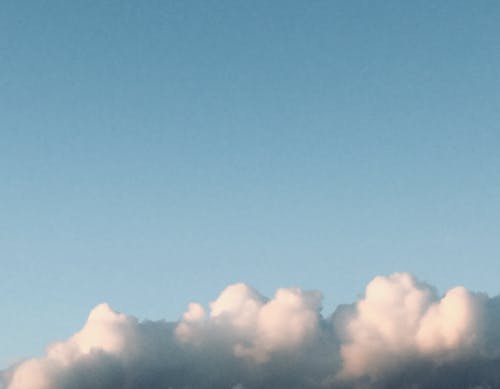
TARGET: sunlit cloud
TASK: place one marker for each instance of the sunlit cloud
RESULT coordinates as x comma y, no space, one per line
400,333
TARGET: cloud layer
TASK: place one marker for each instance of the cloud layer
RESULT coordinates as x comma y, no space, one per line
400,334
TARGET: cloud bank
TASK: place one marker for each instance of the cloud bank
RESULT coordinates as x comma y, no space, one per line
400,334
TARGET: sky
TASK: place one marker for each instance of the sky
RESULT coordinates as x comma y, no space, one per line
151,153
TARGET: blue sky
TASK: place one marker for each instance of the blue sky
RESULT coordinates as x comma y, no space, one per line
152,153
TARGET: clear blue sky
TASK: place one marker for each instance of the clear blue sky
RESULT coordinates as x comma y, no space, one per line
153,152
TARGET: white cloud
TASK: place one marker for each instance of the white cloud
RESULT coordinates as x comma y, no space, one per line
106,331
400,318
400,334
255,327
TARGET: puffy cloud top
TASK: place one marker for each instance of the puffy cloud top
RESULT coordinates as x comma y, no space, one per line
257,326
400,334
401,318
106,331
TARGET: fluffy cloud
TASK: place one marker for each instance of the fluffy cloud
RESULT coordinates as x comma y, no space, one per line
400,334
105,333
400,318
257,327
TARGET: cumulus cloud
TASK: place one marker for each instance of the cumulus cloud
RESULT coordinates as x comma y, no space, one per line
105,333
400,334
257,326
400,318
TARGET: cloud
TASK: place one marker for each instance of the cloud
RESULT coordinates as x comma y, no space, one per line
257,327
400,318
106,333
400,334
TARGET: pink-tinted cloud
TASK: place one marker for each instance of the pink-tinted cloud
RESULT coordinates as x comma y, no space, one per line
401,333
